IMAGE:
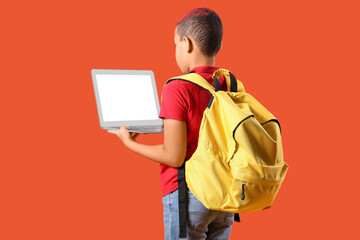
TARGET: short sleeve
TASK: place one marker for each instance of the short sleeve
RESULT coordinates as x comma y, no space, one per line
174,104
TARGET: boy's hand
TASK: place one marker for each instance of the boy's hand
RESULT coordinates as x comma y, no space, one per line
124,135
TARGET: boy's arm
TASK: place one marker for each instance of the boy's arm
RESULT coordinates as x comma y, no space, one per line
171,153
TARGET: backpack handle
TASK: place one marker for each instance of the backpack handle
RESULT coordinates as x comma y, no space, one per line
233,85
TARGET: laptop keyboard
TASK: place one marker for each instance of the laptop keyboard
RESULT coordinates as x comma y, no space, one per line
144,127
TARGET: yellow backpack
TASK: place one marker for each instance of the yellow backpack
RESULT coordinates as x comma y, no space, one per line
238,165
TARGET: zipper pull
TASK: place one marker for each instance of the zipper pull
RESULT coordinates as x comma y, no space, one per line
243,191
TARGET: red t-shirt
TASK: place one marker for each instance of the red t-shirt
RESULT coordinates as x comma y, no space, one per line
185,101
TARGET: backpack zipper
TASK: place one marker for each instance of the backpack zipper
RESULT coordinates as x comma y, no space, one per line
243,191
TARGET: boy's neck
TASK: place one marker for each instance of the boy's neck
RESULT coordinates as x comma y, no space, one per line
202,61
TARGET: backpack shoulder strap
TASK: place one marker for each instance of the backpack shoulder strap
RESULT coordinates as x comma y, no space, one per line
233,85
182,186
196,79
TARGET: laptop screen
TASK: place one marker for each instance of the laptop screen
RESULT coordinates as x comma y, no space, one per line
127,97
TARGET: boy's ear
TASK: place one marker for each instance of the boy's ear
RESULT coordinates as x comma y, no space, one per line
188,44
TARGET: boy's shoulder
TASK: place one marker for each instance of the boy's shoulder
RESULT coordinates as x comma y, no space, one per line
178,81
179,86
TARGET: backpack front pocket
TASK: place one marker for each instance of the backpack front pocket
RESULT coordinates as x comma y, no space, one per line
254,186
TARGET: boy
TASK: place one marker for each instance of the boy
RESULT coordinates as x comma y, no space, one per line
198,38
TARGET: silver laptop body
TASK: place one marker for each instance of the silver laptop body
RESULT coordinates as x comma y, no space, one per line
127,97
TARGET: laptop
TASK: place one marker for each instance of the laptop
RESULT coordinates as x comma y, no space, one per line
127,97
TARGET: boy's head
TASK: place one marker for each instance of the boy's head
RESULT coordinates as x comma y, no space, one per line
202,27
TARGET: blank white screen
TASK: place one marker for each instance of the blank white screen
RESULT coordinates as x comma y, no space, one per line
126,97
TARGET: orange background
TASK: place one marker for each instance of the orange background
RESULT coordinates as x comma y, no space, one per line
62,177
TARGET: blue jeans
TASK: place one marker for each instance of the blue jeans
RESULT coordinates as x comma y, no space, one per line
202,223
